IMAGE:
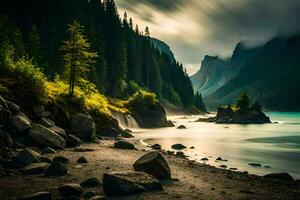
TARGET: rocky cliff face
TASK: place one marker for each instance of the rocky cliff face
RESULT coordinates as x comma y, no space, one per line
270,76
216,72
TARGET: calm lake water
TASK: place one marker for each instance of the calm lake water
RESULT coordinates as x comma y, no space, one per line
273,145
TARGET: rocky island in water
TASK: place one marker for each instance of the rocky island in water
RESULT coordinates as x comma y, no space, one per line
241,113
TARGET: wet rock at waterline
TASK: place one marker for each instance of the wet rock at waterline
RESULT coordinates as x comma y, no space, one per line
156,147
37,196
129,183
178,146
122,144
181,127
46,137
153,163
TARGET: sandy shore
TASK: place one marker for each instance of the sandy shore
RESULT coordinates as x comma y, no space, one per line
191,180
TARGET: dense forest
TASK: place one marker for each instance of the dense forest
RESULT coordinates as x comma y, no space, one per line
123,59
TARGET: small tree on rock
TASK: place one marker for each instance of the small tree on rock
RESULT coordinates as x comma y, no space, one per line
243,101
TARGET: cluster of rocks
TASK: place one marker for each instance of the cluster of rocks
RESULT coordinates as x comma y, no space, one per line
226,115
147,173
18,130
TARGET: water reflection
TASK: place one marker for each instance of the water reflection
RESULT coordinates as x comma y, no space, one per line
271,145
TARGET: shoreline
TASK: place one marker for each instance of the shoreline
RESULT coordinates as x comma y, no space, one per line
191,180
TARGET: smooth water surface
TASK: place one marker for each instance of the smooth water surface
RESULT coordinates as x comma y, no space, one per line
275,146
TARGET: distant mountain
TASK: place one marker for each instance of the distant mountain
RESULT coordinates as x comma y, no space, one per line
216,72
163,47
270,74
211,75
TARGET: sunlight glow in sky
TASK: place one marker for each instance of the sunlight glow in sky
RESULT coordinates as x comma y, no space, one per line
195,28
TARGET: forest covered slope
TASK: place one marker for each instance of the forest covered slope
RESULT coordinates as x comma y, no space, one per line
126,59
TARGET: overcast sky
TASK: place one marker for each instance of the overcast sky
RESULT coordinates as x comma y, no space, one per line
194,28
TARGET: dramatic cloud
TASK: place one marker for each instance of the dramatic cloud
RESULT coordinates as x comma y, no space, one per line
194,28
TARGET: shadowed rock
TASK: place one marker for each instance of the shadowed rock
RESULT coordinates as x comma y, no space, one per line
280,176
82,159
61,159
122,144
37,196
56,169
20,123
91,182
129,183
28,156
153,163
70,189
83,126
73,141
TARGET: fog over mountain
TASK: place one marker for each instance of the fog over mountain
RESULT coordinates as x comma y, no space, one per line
194,28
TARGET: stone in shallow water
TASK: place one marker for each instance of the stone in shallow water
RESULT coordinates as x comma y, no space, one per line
178,146
153,163
129,183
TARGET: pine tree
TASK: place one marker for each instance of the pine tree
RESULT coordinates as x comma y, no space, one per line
77,55
243,101
130,23
199,102
147,31
34,46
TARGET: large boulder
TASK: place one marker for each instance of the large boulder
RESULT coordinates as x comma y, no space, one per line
28,156
128,183
83,126
122,144
153,163
20,123
46,137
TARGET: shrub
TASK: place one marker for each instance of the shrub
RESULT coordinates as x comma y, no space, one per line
142,98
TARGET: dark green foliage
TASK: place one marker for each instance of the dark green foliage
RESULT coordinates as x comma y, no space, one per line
199,102
125,56
243,101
